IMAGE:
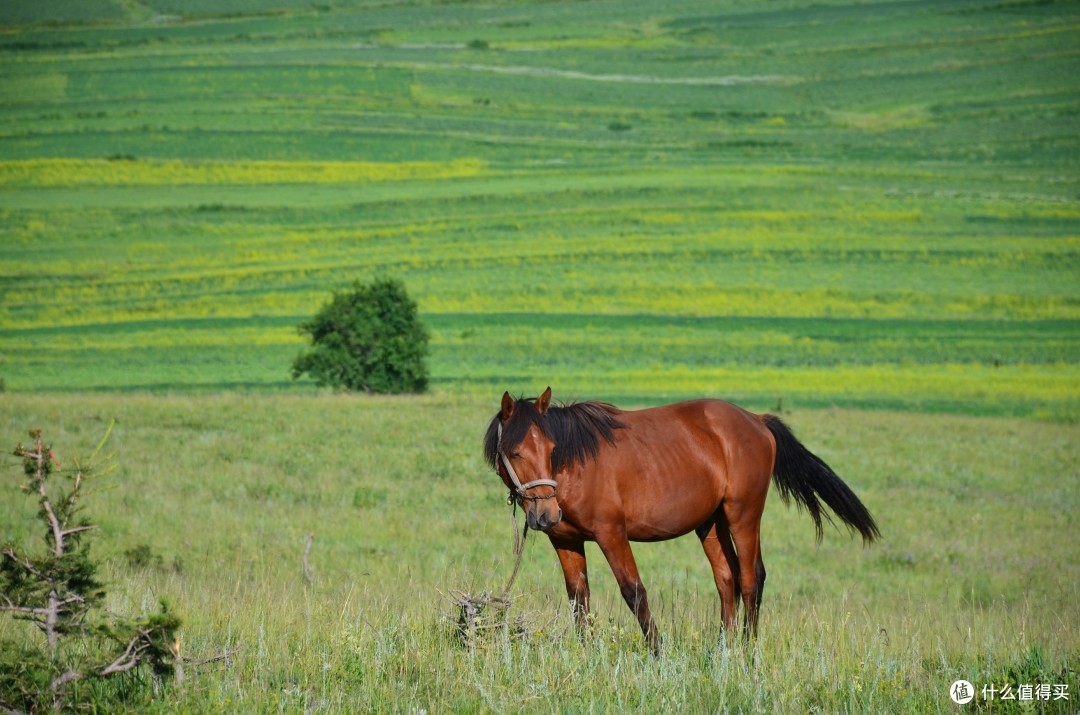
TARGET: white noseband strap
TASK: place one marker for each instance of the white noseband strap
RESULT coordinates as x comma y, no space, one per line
521,488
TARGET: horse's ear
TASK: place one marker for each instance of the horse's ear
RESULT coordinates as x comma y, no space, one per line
507,406
543,401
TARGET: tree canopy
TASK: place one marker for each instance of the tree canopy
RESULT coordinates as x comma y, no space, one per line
369,338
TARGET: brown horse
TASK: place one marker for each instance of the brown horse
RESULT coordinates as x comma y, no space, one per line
592,472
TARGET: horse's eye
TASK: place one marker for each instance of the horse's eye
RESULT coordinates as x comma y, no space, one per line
515,455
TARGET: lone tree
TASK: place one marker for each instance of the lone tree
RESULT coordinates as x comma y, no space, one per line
368,338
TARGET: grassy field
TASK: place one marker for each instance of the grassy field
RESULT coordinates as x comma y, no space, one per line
976,576
865,206
865,215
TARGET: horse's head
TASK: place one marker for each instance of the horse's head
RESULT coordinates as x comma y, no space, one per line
519,447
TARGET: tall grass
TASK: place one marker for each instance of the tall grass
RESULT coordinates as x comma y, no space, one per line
975,576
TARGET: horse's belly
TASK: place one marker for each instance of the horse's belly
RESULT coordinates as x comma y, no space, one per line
668,513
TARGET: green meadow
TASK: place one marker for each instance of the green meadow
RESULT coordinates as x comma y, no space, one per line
816,205
865,216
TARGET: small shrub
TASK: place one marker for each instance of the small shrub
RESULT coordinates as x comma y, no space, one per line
58,592
143,557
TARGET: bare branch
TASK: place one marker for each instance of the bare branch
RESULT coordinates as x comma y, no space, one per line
64,679
11,607
77,529
212,659
25,563
131,655
54,523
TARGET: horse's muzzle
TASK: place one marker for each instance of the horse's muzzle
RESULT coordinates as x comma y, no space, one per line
543,521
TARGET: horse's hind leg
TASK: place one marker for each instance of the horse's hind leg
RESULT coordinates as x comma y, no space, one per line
746,533
716,540
759,574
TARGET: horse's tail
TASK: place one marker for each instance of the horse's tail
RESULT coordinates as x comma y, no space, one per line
802,474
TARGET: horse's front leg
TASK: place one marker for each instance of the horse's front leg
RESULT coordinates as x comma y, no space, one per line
616,548
572,558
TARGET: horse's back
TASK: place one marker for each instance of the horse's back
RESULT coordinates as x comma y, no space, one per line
730,425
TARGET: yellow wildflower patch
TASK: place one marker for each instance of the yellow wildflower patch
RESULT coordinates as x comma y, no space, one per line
65,173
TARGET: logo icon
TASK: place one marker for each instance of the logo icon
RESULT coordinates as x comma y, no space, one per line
962,692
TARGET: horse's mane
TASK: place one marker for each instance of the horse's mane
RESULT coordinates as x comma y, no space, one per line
575,428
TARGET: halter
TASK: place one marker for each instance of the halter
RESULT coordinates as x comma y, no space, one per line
520,488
